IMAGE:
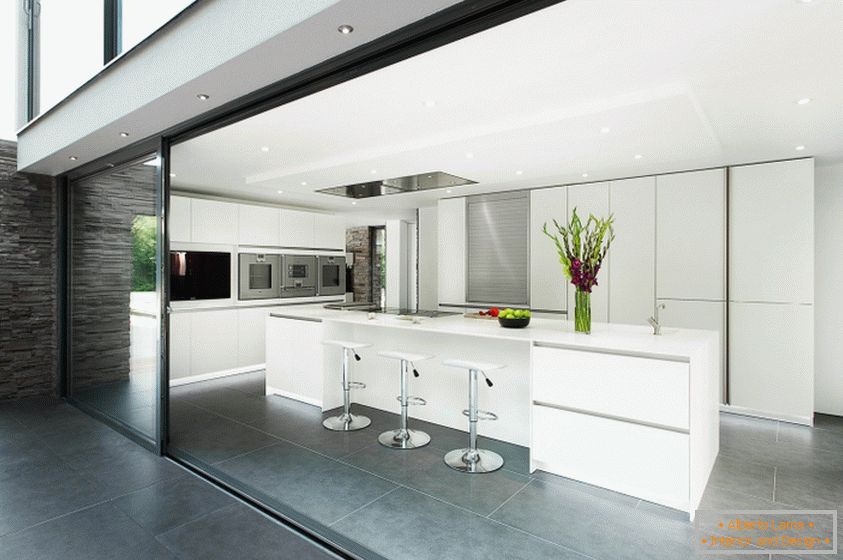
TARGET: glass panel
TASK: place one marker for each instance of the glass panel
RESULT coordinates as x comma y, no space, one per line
113,306
8,48
140,18
331,276
71,46
260,276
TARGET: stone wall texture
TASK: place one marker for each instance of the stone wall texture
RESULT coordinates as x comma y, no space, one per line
28,298
358,241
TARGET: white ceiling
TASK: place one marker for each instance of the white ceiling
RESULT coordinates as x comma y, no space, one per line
683,83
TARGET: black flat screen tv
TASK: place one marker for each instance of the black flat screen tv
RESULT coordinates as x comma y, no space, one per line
199,275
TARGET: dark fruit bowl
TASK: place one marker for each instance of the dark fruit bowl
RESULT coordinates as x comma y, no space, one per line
514,323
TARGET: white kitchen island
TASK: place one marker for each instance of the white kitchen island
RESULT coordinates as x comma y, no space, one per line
620,408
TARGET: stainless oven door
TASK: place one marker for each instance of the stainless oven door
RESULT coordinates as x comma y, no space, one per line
331,275
299,276
259,276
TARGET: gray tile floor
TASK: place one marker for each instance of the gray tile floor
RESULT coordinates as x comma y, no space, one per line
73,489
409,505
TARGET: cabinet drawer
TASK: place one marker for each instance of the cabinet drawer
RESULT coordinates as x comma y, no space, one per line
640,461
642,389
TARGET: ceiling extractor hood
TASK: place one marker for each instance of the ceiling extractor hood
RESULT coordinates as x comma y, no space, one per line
398,185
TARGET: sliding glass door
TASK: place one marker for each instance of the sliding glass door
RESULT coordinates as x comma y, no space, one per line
114,295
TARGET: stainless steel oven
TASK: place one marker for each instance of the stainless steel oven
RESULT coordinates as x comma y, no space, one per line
298,278
331,275
260,276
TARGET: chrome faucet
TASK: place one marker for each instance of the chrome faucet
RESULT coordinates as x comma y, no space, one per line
654,321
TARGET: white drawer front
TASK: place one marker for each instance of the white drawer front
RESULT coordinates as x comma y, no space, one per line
640,461
642,389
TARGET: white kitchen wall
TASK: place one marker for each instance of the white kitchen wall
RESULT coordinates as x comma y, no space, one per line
828,290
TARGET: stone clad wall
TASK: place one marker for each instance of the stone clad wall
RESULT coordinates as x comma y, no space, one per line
28,243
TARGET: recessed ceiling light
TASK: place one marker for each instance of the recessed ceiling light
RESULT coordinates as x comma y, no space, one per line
605,130
430,103
72,158
373,171
280,192
304,183
124,134
449,191
345,29
203,96
638,156
585,174
519,172
804,101
800,147
264,148
354,203
469,155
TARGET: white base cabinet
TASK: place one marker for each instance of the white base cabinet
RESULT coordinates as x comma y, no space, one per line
643,426
629,458
205,344
294,360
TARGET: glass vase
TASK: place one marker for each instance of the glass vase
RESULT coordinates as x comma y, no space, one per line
582,312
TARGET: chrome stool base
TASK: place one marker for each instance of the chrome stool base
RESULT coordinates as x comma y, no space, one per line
346,422
404,439
473,460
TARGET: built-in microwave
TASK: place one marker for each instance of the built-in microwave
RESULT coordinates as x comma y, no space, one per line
331,275
260,276
298,277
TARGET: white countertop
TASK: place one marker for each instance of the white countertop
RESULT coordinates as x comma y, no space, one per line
625,339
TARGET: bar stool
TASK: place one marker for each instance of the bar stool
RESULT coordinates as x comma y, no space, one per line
472,459
347,422
403,437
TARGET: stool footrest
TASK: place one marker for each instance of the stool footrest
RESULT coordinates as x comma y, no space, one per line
356,385
481,414
413,401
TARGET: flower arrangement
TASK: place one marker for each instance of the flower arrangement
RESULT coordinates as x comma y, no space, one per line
582,249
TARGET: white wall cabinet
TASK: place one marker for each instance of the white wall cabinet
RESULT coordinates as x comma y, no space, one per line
704,315
548,284
452,250
213,221
691,235
259,225
428,258
771,289
592,198
632,281
297,228
771,359
771,220
179,219
329,232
